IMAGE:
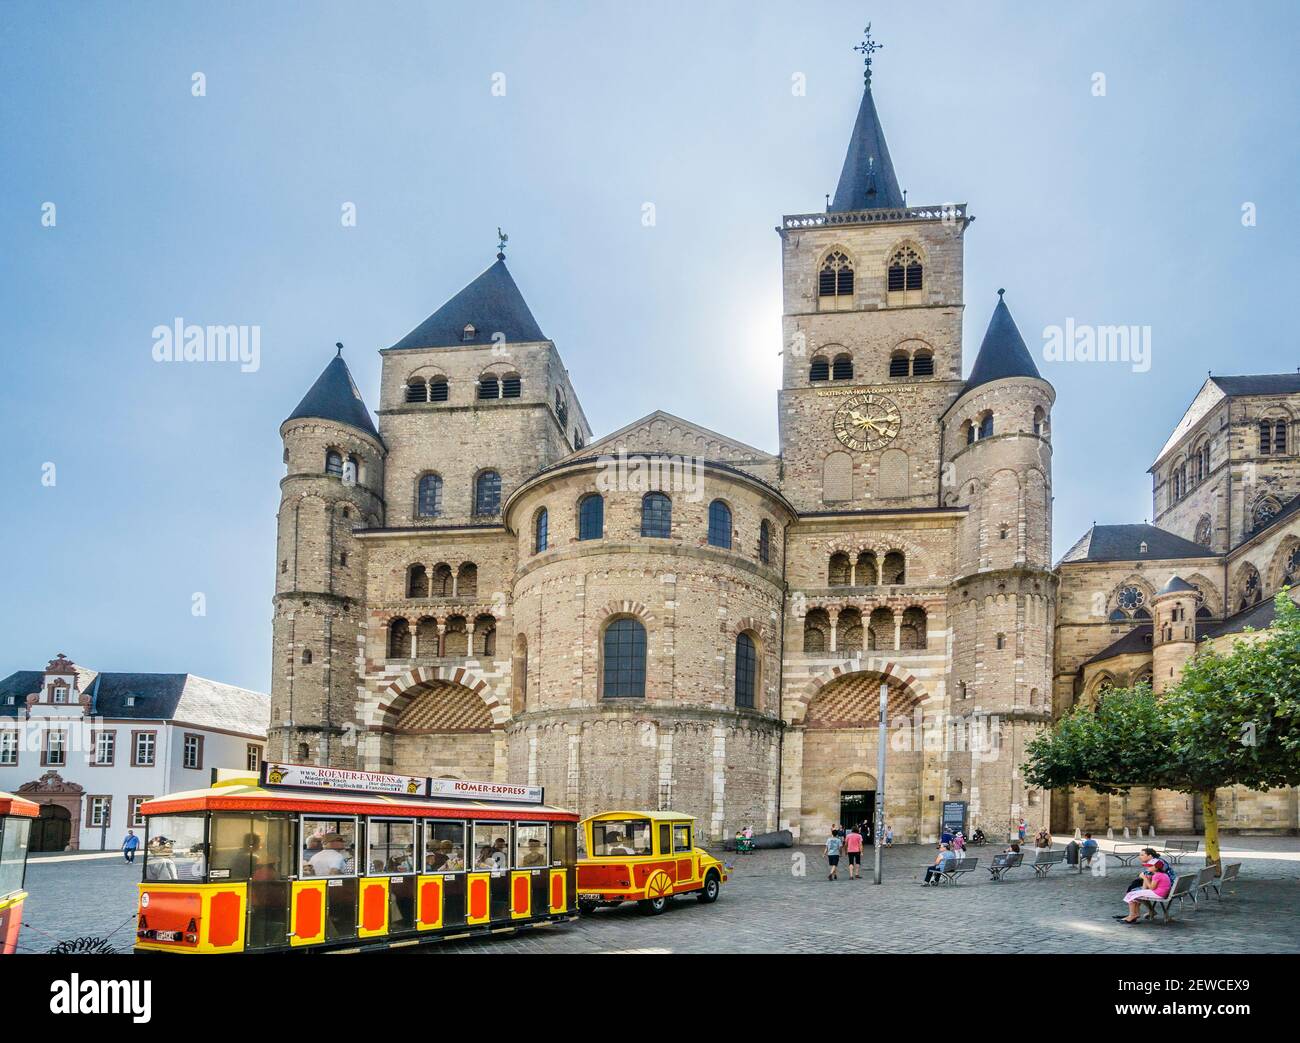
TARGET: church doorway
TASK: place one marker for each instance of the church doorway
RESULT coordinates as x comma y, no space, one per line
858,806
52,830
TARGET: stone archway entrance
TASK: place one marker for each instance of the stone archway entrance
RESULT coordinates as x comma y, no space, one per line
60,818
445,729
838,754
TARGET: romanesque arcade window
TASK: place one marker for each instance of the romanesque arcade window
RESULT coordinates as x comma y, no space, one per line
417,582
746,670
399,639
539,531
986,425
912,636
816,629
624,658
719,524
764,542
334,463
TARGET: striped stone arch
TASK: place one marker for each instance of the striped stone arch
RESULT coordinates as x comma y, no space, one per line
398,695
626,608
913,693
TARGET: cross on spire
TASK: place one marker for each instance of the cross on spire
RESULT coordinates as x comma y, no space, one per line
867,48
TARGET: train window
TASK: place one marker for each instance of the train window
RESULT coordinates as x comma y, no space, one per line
681,837
392,847
13,853
176,848
252,847
444,847
620,837
329,846
564,843
530,846
491,845
665,839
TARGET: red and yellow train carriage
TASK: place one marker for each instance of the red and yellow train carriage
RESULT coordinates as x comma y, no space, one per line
314,859
647,857
16,816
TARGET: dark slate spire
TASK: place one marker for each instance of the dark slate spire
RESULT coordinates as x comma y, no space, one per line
1176,585
867,181
334,396
1003,353
491,304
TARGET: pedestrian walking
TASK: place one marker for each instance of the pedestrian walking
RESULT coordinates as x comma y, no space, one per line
834,844
129,845
853,848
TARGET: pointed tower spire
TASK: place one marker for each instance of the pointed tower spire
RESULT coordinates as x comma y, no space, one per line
490,305
867,181
1003,352
335,397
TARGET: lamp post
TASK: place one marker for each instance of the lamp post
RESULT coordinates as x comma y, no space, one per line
880,778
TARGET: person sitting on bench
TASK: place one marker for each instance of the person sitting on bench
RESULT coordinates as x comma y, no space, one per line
1155,888
934,873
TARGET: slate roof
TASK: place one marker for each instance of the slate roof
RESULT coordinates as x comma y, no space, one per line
867,180
1260,384
492,304
181,697
334,396
1122,543
1176,585
1136,641
1257,616
1003,352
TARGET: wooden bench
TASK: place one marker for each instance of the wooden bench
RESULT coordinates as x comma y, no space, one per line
1230,873
1045,859
1182,887
955,868
1003,864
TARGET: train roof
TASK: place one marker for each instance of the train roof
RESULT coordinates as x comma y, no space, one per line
654,816
249,795
18,806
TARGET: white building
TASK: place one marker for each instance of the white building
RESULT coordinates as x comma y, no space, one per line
91,747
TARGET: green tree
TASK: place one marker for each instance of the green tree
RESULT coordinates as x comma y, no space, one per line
1233,719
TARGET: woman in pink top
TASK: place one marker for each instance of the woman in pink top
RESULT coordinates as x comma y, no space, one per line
1155,886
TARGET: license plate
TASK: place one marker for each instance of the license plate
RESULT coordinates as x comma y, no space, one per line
168,936
588,895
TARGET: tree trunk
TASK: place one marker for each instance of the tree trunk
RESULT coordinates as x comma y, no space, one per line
1211,813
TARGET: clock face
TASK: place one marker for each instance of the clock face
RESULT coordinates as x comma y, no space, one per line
867,422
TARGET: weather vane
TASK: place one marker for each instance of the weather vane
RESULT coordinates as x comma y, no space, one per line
867,48
502,239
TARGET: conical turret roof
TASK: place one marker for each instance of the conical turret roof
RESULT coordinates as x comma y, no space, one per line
335,397
1003,352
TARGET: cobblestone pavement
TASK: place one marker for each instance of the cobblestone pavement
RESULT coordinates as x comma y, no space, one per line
766,907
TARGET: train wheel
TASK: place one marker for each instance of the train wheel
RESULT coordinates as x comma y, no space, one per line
586,905
711,889
659,888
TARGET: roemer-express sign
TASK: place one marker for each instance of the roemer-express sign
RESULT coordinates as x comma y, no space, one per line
309,776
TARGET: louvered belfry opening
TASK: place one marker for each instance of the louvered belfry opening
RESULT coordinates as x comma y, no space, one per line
842,368
923,364
488,387
437,391
511,386
820,369
416,390
905,270
836,276
898,364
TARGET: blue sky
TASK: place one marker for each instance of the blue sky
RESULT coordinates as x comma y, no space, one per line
1122,209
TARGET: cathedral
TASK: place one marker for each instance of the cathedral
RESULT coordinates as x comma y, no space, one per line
476,587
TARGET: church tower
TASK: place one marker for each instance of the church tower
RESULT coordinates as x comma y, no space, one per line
1173,643
872,309
1002,601
334,460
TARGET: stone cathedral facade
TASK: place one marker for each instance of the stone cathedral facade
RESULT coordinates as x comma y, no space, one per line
666,617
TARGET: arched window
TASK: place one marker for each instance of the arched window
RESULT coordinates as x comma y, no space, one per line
1040,419
485,636
880,630
539,531
623,674
656,515
820,369
467,579
969,430
1279,438
417,582
764,542
867,571
746,670
417,390
440,587
1265,511
905,270
849,631
923,364
487,494
455,639
842,368
306,657
489,386
1204,531
836,276
561,408
429,498
426,637
334,463
591,517
899,364
894,571
438,389
719,525
816,625
511,386
986,425
352,470
912,633
837,573
399,639
1265,437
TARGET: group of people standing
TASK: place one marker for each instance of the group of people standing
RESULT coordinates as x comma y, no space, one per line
849,843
